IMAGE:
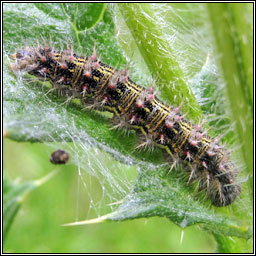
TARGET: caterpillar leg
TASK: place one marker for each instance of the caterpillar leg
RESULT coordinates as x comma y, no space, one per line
145,142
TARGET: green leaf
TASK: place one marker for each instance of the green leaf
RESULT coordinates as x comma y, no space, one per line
13,197
172,44
160,194
234,244
74,13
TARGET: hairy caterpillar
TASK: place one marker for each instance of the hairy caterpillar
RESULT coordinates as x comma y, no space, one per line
136,107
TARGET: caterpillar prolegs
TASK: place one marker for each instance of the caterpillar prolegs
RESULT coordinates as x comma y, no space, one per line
136,107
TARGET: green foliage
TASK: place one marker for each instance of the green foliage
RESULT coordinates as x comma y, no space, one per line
14,196
233,34
157,192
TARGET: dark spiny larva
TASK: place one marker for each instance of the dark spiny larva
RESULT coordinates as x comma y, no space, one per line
134,106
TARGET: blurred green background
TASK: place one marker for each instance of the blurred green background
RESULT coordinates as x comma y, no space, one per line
37,227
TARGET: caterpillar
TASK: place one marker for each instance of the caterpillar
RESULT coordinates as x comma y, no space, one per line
135,107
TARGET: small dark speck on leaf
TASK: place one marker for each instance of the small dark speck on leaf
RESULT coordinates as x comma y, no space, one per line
59,157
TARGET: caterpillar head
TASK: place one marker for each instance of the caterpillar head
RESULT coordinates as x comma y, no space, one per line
25,60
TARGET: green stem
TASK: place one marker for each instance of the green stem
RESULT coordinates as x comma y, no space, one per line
147,32
228,21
